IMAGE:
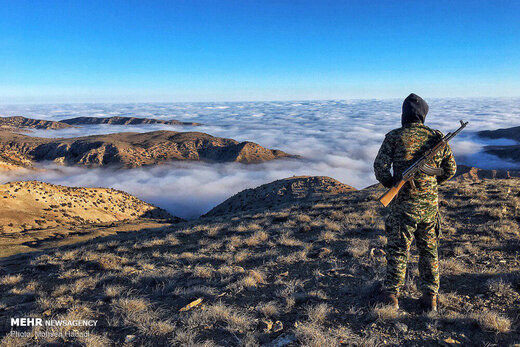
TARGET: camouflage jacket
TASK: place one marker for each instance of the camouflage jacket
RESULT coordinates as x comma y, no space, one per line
400,149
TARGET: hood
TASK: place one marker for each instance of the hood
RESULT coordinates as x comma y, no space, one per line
414,110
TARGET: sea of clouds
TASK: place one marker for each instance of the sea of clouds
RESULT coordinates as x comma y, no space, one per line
339,139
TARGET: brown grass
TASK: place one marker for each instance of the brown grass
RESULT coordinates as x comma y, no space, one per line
292,264
492,321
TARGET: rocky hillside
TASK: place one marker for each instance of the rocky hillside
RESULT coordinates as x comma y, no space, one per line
19,122
13,160
129,150
299,274
116,120
36,215
287,190
474,174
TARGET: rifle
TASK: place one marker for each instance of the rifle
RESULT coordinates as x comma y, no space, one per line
420,165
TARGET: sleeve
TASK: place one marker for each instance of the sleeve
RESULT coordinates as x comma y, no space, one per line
383,163
448,164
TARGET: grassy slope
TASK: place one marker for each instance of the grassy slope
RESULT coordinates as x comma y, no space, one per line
33,213
312,266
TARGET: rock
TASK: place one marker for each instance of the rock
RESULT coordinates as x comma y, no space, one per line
266,325
278,326
281,341
129,338
451,342
191,305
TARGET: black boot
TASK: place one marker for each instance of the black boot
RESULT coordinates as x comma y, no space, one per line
428,302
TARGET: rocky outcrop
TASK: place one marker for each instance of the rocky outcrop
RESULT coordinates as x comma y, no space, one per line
116,120
37,205
282,191
130,150
468,173
19,122
12,160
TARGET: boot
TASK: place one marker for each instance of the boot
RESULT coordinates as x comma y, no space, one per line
428,302
387,298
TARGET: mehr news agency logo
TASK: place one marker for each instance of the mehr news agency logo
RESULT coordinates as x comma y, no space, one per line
39,322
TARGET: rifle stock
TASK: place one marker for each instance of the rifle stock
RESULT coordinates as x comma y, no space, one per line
387,197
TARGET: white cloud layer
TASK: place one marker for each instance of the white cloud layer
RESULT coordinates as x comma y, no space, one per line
337,138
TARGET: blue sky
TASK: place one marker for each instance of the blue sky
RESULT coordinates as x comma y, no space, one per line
113,51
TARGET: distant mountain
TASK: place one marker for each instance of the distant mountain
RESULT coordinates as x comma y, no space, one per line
511,152
506,133
287,190
505,152
116,120
128,150
22,122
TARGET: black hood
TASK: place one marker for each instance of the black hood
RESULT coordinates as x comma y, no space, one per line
414,110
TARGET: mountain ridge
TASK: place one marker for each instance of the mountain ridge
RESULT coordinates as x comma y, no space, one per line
120,120
131,149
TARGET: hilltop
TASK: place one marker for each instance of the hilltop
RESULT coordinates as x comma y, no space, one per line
130,149
117,120
287,190
300,273
18,122
33,211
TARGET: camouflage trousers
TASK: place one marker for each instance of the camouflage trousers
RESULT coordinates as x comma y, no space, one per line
401,227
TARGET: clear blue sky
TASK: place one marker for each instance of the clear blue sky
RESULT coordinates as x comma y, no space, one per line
68,51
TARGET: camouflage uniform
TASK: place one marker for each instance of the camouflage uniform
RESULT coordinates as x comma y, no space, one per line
414,212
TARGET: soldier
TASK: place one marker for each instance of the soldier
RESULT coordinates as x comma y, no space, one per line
414,212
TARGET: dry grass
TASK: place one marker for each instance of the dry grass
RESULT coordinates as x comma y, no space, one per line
253,279
500,287
386,312
318,314
327,236
269,309
310,266
492,321
312,335
257,238
11,280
